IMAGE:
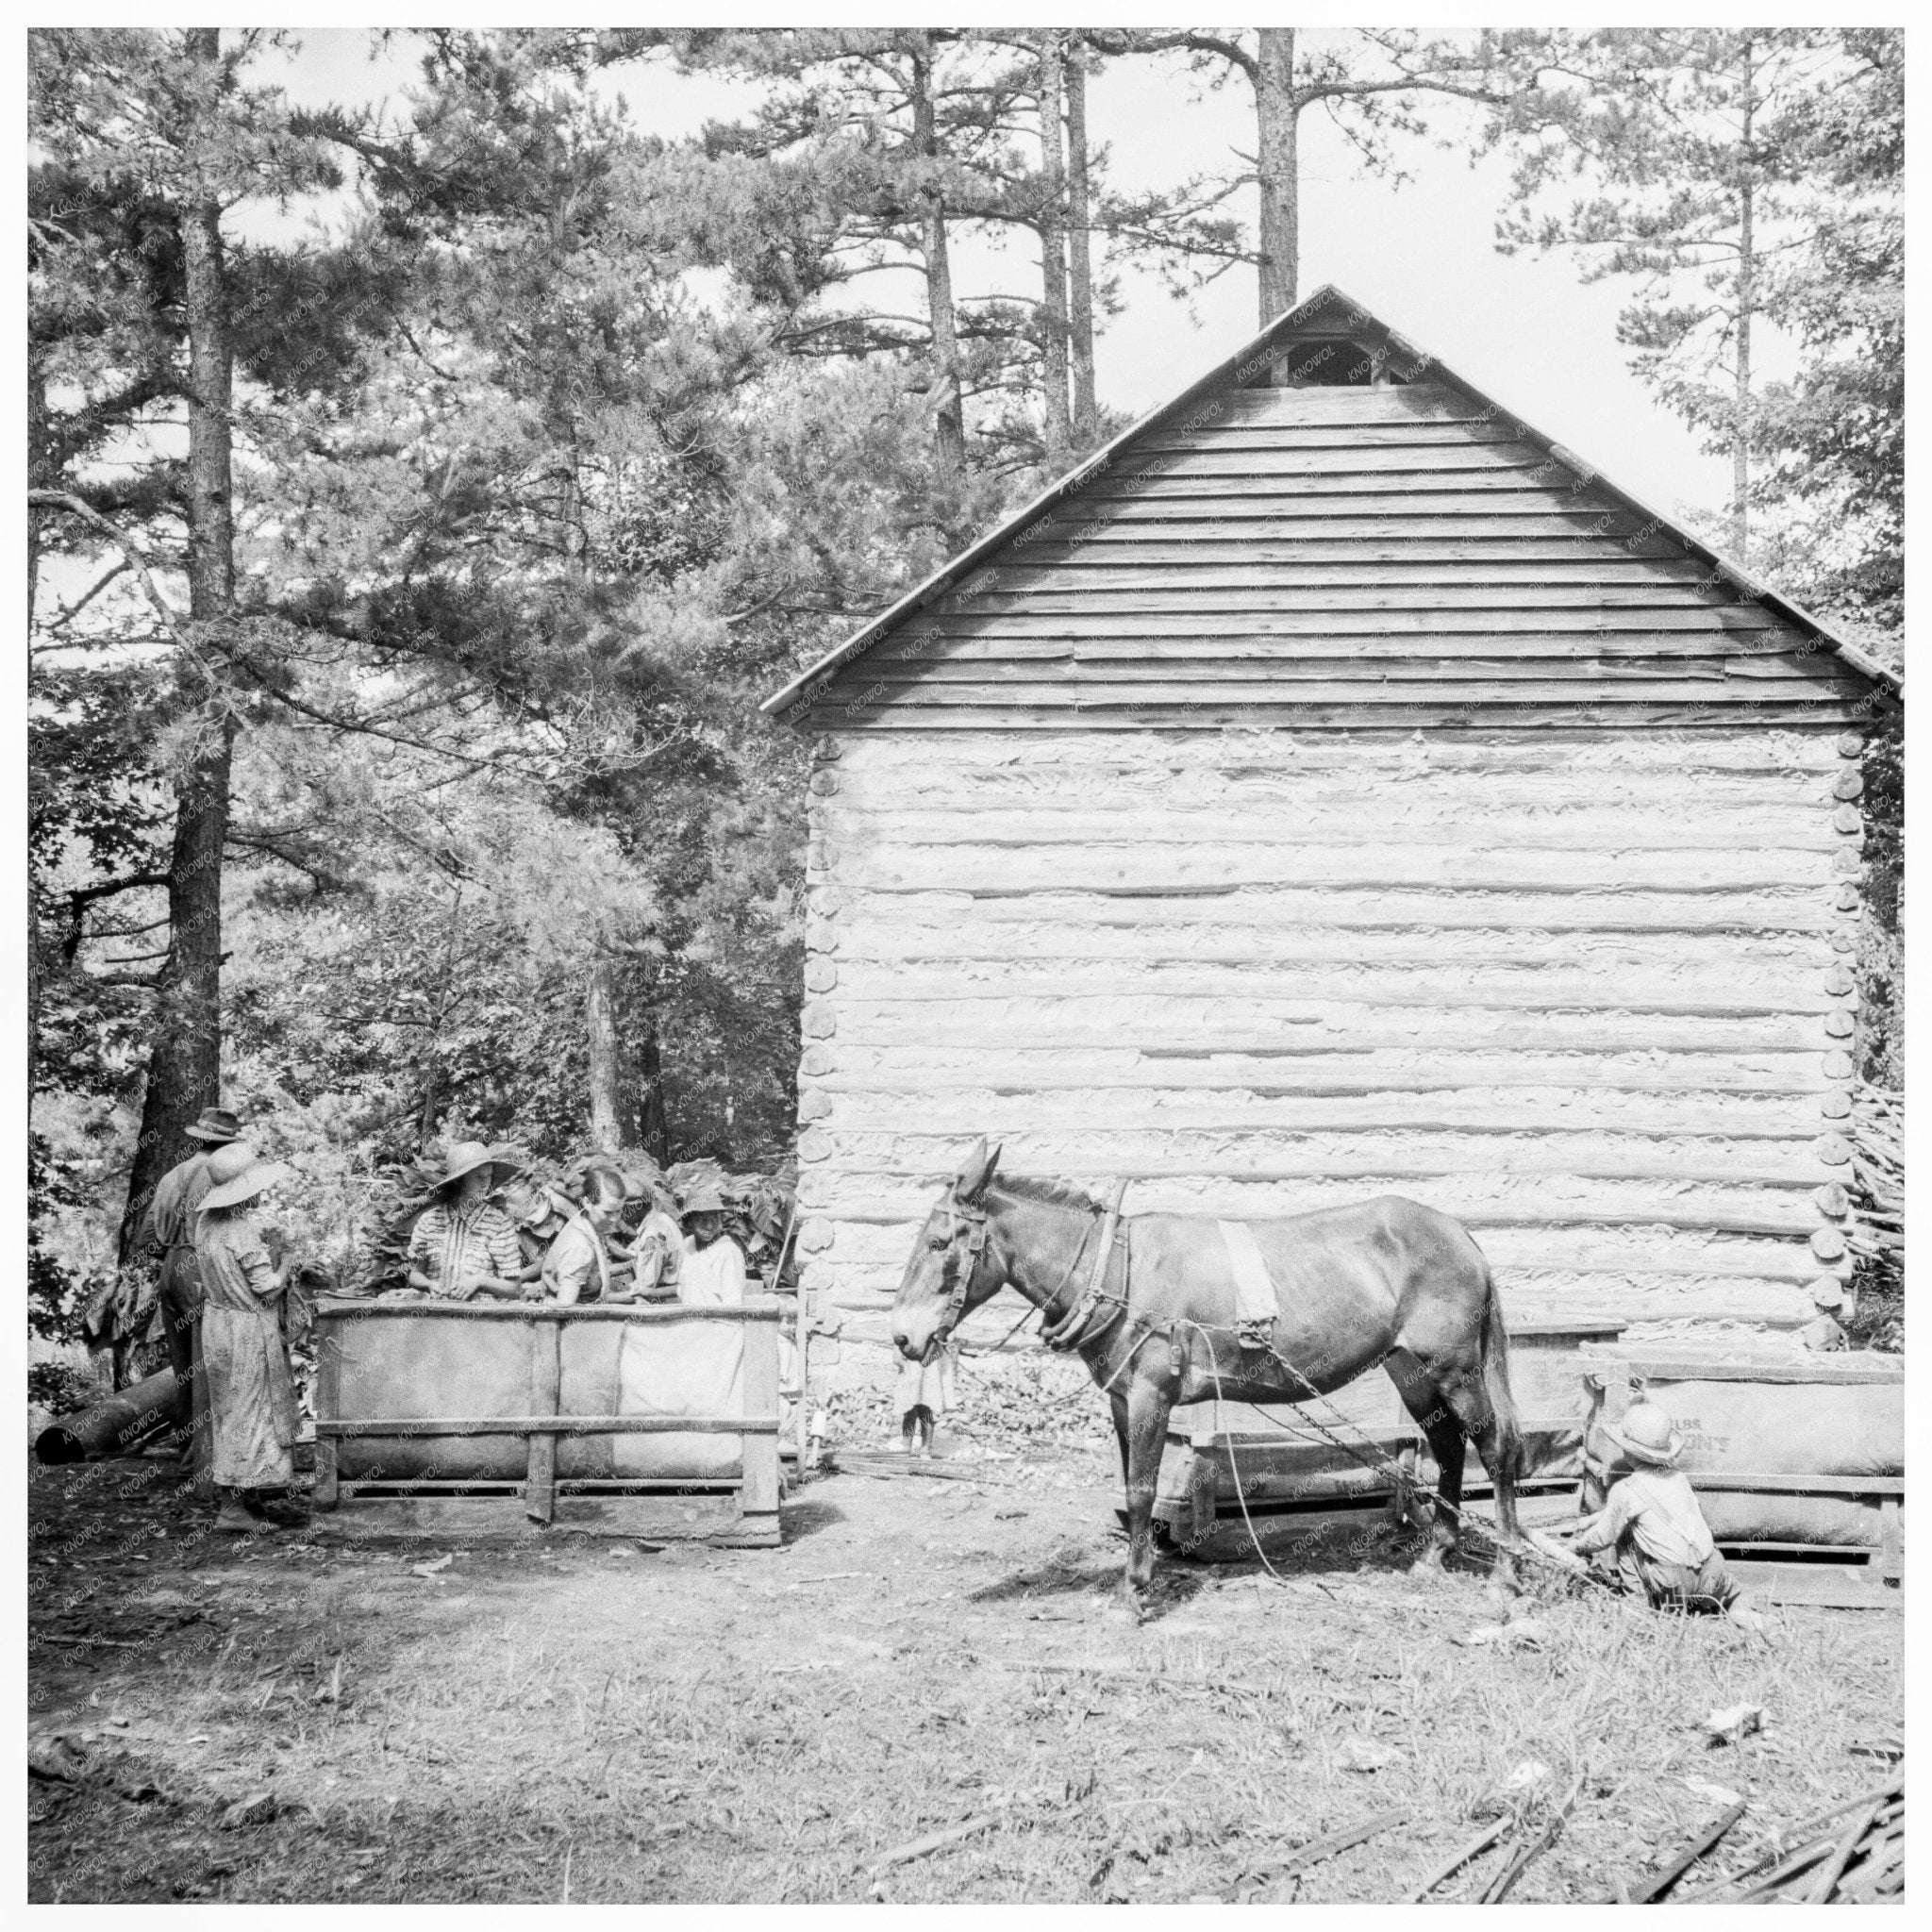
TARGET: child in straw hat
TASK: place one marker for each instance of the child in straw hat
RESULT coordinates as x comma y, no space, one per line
1652,1517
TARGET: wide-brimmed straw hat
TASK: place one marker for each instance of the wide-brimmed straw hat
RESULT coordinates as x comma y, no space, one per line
704,1198
465,1157
216,1125
239,1173
1647,1435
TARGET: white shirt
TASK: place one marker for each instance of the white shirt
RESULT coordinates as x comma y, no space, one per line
711,1277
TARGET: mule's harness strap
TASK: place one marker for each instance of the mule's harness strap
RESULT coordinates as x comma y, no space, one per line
1068,1330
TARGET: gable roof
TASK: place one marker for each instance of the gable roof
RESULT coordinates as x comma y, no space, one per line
1467,417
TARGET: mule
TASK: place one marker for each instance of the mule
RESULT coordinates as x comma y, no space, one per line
1389,1283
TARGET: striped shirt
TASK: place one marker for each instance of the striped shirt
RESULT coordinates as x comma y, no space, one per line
454,1249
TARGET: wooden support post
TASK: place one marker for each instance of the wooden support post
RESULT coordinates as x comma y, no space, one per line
759,1453
201,1434
546,1391
1892,1540
1204,1473
328,1363
801,1346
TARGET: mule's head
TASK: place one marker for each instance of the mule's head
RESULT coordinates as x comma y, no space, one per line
950,1270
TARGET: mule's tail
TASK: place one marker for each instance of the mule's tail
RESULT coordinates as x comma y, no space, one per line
1495,1357
1501,1443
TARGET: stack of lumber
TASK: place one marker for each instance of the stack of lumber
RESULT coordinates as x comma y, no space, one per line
1877,1229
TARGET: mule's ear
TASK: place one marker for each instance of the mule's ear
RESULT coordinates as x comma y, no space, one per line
974,1176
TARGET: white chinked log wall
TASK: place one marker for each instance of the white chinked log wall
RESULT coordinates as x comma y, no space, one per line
1587,990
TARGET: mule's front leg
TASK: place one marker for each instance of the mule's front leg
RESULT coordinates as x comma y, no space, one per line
1148,1413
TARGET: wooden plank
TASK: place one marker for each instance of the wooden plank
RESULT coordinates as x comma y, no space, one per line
1862,1370
1547,620
1124,569
1523,484
761,1450
1123,664
1099,694
1260,455
1480,720
1435,517
553,1424
1565,823
350,1308
1313,531
1329,403
328,1371
1262,434
1101,601
546,1387
1739,651
1319,544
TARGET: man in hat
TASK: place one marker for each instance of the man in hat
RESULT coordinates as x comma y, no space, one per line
1653,1518
463,1245
169,1225
712,1269
250,1395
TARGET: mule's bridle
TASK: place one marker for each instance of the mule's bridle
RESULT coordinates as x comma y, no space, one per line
973,1217
1059,1332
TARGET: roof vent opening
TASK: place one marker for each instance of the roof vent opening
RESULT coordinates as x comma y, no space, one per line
1332,362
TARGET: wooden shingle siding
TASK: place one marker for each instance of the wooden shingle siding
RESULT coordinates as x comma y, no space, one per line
1318,557
1577,990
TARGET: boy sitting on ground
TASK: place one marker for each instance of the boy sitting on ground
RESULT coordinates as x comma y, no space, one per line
1652,1516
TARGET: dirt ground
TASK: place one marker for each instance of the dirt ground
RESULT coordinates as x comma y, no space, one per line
550,1716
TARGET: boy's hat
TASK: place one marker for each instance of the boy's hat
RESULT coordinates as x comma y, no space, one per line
1647,1435
216,1125
704,1198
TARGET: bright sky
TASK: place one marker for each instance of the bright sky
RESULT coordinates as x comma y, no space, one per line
1421,257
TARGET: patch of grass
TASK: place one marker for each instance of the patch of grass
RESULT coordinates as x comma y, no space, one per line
761,1725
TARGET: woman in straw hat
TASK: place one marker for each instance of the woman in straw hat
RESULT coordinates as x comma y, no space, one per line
1652,1517
463,1244
251,1398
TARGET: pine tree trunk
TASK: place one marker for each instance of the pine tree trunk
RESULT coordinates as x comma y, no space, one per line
1079,253
184,1066
949,413
1276,113
39,476
1053,254
1747,297
613,1109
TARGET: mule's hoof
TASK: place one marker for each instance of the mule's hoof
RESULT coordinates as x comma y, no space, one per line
1430,1563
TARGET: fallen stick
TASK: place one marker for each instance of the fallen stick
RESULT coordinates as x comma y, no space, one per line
1318,1849
1687,1855
1499,1885
932,1841
890,1467
1166,1677
1457,1861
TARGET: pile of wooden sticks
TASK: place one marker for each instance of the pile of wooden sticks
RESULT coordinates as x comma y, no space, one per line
1853,1854
1877,1232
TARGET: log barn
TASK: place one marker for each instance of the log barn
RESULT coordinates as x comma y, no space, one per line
1336,787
